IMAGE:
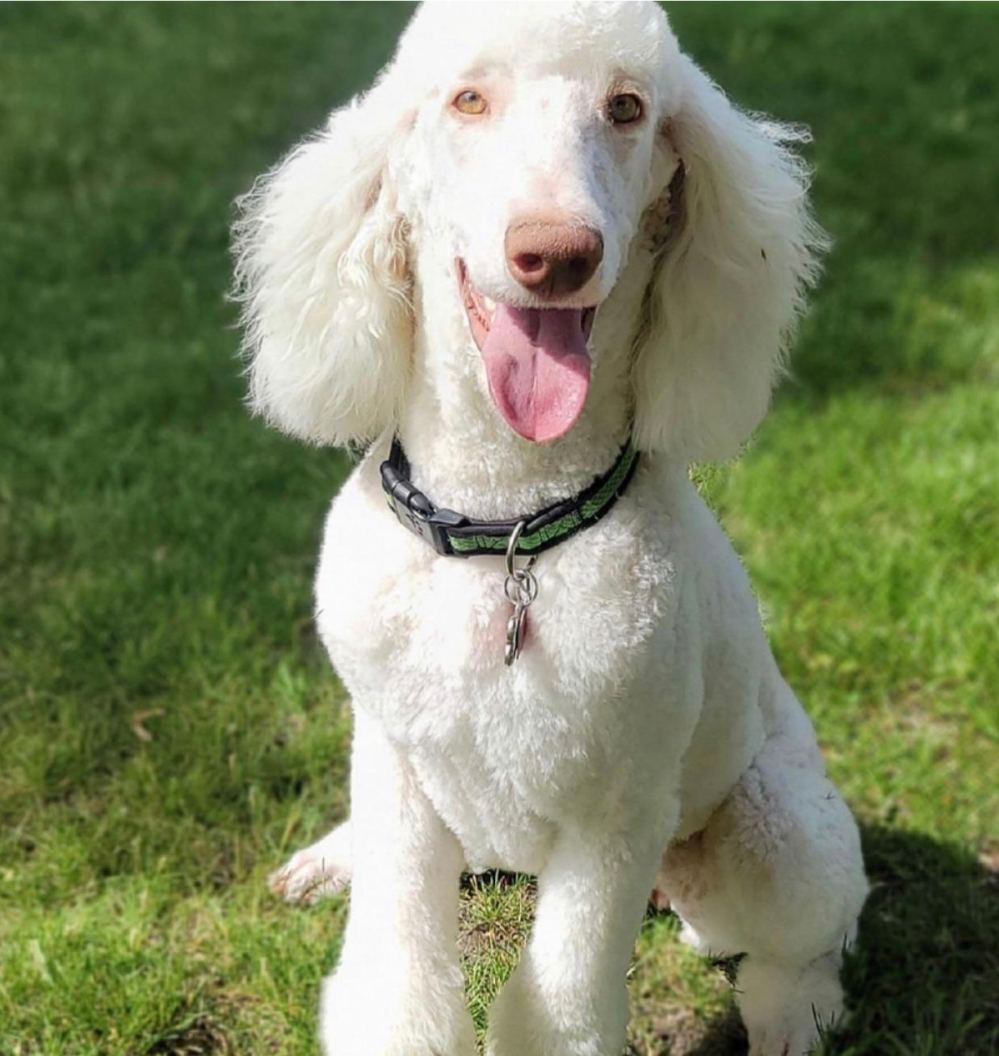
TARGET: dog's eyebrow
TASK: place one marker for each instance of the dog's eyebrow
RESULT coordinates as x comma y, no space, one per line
482,71
624,82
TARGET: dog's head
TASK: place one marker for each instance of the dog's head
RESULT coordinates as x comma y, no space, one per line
534,159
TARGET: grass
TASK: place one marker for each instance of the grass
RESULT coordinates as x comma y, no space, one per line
168,726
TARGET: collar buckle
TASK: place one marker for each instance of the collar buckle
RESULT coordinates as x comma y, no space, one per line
418,513
434,529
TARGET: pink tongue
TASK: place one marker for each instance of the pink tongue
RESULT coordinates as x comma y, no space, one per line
538,367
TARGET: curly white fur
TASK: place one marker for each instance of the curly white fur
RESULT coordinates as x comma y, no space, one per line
646,712
324,262
728,295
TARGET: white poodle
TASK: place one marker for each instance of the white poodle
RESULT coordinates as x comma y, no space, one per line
548,257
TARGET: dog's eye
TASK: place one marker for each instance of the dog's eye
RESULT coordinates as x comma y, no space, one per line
624,109
471,103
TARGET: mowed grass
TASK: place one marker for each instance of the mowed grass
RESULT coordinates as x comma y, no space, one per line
169,729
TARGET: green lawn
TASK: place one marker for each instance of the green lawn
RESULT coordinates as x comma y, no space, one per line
168,725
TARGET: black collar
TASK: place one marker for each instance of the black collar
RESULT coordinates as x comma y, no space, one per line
454,535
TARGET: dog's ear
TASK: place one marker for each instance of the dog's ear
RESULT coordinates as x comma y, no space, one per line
729,276
323,276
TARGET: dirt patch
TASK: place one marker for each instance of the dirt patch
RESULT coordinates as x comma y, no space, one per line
201,1036
677,1030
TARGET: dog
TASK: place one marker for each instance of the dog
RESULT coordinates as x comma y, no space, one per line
539,268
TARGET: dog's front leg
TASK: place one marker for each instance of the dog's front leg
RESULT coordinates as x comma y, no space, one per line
397,990
568,995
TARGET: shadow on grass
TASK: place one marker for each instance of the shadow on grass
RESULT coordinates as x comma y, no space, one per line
924,978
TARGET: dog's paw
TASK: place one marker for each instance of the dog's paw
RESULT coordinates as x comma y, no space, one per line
787,1012
524,1020
377,1012
788,1040
316,872
307,880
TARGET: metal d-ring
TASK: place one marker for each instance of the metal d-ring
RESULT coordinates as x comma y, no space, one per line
520,588
519,580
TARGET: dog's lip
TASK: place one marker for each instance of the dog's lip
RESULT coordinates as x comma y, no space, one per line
481,309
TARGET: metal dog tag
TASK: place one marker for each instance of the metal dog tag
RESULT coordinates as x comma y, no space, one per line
515,628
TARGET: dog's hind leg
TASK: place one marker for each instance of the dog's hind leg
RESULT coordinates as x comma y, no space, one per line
316,872
776,875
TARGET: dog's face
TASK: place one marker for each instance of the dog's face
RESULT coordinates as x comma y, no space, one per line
514,155
533,158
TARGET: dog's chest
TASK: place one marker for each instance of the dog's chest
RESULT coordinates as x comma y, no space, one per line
419,642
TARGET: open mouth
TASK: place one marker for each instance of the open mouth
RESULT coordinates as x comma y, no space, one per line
537,360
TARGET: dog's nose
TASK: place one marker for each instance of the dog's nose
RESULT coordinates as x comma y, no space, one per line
552,259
